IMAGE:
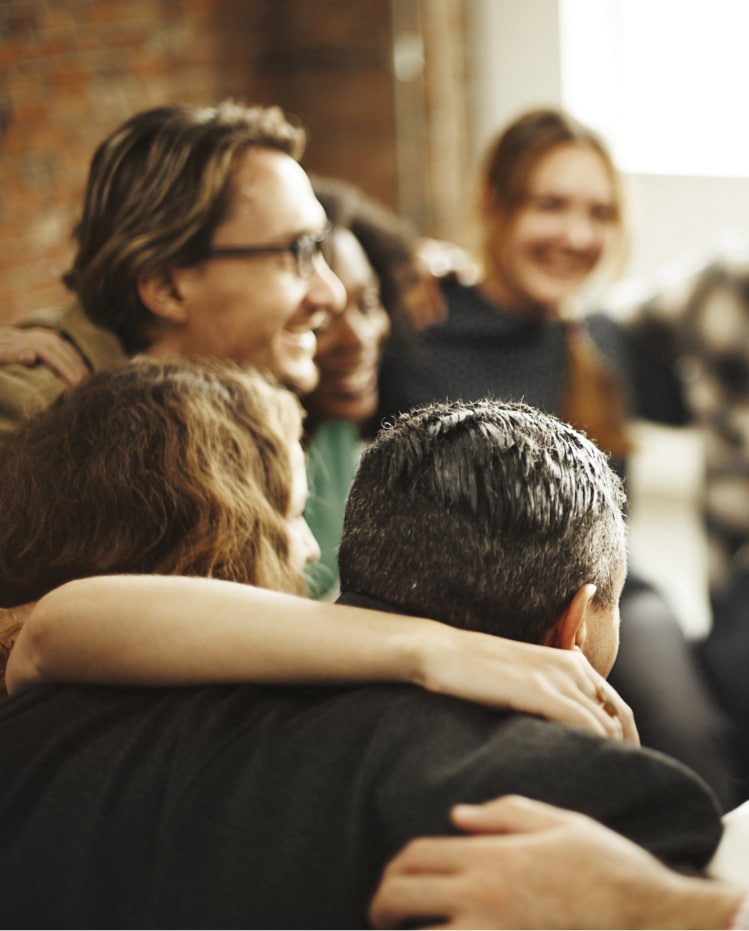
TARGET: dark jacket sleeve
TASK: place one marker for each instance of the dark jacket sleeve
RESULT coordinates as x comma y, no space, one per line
474,756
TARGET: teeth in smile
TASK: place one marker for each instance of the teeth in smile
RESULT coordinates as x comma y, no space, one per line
562,265
355,381
302,339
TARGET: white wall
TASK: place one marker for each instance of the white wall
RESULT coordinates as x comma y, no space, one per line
680,219
515,62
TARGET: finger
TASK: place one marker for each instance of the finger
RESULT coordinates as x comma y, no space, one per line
13,354
607,706
434,856
570,689
511,814
28,347
622,712
629,726
409,899
24,357
582,711
63,359
627,718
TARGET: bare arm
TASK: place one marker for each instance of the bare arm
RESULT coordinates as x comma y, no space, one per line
27,346
535,866
148,630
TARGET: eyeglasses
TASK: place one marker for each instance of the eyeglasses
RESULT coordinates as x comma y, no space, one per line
304,248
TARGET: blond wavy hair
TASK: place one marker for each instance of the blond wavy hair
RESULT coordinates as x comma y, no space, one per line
177,467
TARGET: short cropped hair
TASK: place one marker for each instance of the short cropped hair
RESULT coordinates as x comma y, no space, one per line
487,515
166,467
157,188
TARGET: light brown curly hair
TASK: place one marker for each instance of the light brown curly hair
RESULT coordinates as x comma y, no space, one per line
167,467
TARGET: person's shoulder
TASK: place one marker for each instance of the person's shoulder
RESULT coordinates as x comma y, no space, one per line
50,318
473,312
25,391
521,743
99,347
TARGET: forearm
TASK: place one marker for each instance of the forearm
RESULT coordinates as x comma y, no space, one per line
161,630
168,630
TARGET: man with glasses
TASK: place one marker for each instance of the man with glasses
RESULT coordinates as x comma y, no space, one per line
200,236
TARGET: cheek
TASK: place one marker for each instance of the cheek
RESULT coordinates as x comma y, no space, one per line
514,257
535,229
606,241
383,329
377,329
265,300
326,343
513,247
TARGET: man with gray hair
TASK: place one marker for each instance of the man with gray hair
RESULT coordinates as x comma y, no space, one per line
493,517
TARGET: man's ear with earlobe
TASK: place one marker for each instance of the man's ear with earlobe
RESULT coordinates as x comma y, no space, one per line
162,295
570,630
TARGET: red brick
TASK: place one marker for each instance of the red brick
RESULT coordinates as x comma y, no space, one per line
72,70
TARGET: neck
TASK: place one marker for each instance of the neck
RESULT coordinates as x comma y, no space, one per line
166,344
496,291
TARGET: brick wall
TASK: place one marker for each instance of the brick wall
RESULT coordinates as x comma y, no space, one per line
72,70
330,63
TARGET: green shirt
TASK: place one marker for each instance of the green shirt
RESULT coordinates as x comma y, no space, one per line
26,390
332,458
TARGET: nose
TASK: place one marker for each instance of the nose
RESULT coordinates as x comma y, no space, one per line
580,230
325,288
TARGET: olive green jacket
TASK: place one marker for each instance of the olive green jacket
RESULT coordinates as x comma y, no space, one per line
25,390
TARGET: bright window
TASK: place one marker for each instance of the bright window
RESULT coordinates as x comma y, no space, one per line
665,81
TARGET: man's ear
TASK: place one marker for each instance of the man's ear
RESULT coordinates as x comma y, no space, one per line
570,630
163,297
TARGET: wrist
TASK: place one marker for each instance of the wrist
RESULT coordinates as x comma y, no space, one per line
424,652
704,903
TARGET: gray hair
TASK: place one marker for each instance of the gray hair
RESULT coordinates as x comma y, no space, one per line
485,515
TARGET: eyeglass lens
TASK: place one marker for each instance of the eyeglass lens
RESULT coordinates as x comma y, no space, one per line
305,250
